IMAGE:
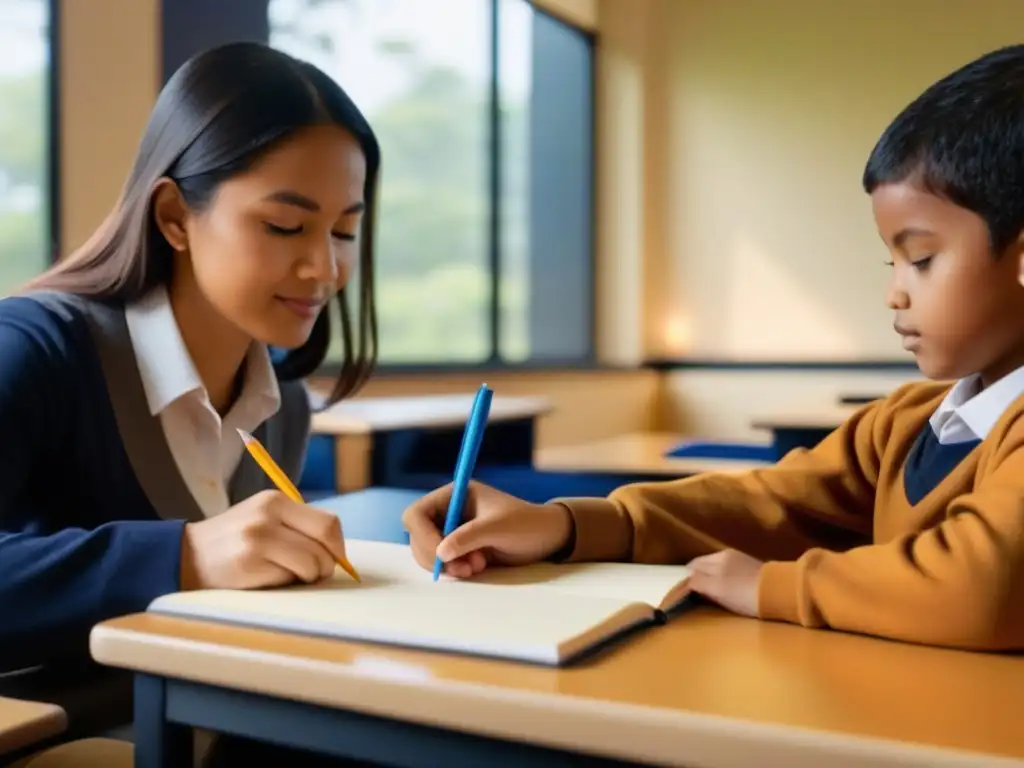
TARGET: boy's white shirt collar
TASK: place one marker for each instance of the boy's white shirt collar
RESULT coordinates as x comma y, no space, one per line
168,372
969,414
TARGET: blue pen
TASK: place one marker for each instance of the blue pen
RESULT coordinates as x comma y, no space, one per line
466,463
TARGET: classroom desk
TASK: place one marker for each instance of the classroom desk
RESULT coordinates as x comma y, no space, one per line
859,398
636,454
707,690
23,723
802,429
378,441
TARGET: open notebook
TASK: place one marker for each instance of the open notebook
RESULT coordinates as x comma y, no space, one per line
545,613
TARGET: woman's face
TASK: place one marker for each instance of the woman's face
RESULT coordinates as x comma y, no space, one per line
278,241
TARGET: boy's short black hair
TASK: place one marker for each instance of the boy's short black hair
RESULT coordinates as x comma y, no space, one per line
963,140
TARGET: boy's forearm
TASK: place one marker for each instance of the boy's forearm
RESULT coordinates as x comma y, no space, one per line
673,522
822,497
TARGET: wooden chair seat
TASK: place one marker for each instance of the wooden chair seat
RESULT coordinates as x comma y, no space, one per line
84,753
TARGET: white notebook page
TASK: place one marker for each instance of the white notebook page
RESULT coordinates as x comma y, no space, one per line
398,602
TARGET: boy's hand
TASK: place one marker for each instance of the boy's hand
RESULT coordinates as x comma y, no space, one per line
497,529
729,578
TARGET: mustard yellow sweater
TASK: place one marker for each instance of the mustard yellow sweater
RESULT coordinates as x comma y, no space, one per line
843,546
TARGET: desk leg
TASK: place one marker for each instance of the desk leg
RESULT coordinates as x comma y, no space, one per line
158,743
353,456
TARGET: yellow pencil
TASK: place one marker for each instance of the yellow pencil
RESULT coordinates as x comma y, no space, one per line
280,479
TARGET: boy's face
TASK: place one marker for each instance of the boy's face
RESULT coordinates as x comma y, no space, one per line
958,307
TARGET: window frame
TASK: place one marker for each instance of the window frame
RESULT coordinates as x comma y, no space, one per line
53,120
495,362
248,19
54,225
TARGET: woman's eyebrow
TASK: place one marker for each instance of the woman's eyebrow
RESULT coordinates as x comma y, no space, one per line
290,197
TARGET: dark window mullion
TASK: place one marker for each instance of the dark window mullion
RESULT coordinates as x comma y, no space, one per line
53,140
494,190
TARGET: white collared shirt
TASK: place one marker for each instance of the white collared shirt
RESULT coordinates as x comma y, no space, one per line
205,447
969,413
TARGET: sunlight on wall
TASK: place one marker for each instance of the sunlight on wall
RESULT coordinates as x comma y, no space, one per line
677,336
774,314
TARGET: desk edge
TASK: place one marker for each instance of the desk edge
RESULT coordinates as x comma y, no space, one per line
712,741
51,721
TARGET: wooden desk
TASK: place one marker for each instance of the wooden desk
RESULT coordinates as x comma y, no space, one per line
377,439
802,429
23,723
706,690
859,398
363,416
639,453
815,418
734,692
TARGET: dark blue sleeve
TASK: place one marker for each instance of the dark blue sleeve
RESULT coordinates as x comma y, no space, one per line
56,580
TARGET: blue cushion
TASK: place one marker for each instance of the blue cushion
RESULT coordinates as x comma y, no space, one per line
373,514
709,449
525,482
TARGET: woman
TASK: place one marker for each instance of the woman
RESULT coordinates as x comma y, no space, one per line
126,370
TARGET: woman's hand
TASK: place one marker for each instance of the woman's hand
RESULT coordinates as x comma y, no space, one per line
267,540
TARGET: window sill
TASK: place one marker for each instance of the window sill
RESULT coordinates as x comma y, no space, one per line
663,365
426,370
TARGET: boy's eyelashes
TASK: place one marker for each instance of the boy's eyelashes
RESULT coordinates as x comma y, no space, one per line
274,229
919,264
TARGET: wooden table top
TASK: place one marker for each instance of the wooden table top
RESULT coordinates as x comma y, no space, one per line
639,453
23,723
709,688
361,416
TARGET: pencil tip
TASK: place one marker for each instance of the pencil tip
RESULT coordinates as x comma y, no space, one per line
246,437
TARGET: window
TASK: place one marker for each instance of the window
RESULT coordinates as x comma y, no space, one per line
26,244
484,113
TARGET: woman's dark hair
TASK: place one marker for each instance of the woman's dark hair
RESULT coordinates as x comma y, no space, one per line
963,140
217,115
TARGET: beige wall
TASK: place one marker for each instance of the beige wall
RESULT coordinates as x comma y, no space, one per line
769,249
758,241
623,147
109,75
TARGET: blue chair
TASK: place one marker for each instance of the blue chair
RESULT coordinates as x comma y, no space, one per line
318,473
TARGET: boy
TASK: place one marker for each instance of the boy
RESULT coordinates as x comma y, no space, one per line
908,521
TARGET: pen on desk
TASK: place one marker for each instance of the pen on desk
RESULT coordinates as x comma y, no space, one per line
466,463
283,483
